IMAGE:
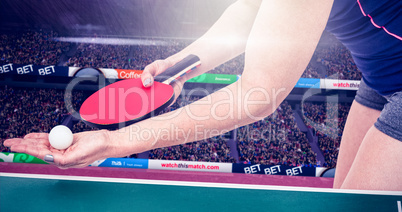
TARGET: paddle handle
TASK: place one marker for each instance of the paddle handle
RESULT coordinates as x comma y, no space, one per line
180,69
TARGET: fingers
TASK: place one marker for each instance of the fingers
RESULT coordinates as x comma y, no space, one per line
37,135
36,140
37,151
70,159
35,147
13,141
35,144
177,87
58,158
147,76
19,142
153,69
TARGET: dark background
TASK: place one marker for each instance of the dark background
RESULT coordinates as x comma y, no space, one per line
138,18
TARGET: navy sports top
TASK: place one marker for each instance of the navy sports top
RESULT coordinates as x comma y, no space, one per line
372,31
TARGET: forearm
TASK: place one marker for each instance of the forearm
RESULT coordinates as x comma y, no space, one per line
225,40
236,105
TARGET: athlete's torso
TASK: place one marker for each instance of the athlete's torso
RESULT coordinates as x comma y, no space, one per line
372,31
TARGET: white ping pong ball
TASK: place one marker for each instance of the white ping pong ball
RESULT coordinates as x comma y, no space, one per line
60,137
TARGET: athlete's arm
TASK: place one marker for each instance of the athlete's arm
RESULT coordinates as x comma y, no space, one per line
225,40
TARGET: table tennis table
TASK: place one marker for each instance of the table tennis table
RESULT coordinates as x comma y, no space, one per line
36,187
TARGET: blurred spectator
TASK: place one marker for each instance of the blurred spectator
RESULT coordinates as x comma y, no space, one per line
310,72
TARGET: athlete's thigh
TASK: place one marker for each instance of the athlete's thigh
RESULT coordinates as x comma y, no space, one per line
377,164
378,160
363,114
359,121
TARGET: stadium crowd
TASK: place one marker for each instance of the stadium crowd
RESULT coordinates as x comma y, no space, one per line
37,48
328,121
146,54
275,140
209,150
100,56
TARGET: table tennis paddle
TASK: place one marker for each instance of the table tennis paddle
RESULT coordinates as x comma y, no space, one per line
127,101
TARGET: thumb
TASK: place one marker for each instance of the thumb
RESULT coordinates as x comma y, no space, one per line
152,70
147,77
64,161
55,158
